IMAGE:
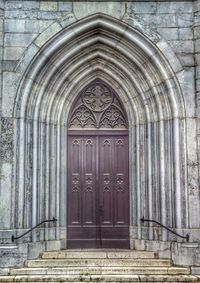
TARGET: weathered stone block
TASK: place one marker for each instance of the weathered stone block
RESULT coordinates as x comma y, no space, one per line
140,245
10,84
50,15
174,7
162,248
185,20
197,45
185,33
32,26
1,24
4,271
188,90
48,5
44,24
197,59
63,233
37,26
1,53
191,141
34,249
19,39
84,9
5,190
1,39
2,4
12,5
185,254
196,6
186,46
193,193
195,270
6,140
27,57
44,37
198,72
10,256
65,6
14,26
52,233
169,54
9,65
68,20
23,5
169,33
186,60
137,23
52,245
21,14
167,20
198,85
197,32
142,7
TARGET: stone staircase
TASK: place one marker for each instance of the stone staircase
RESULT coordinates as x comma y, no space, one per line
99,266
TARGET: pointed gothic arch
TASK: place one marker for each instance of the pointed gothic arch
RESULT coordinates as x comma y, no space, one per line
141,75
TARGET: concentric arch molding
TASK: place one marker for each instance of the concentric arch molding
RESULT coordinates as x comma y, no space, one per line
64,30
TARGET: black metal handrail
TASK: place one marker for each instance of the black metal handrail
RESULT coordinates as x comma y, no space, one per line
30,230
187,237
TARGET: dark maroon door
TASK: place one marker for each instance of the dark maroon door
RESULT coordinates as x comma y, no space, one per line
98,192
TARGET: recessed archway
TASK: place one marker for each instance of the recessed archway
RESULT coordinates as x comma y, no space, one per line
100,47
98,170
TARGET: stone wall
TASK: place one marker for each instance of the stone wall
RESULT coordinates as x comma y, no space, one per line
25,26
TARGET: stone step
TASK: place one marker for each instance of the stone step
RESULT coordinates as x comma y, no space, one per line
97,262
98,254
99,278
101,271
4,271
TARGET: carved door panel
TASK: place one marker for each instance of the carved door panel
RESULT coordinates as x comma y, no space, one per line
82,189
114,191
98,202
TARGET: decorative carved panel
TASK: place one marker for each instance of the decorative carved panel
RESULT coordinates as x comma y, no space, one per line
98,107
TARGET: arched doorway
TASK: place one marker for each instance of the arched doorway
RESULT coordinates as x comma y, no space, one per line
146,83
98,186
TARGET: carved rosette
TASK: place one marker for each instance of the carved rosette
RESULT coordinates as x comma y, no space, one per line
98,107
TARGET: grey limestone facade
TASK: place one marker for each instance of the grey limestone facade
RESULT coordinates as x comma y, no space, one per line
149,51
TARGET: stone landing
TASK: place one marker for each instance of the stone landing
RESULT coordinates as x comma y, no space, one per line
99,266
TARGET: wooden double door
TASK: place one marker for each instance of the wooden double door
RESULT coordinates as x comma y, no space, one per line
98,190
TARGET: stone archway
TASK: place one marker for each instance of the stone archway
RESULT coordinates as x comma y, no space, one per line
101,47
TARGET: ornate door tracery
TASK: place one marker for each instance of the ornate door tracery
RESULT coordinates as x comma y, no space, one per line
98,202
98,107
